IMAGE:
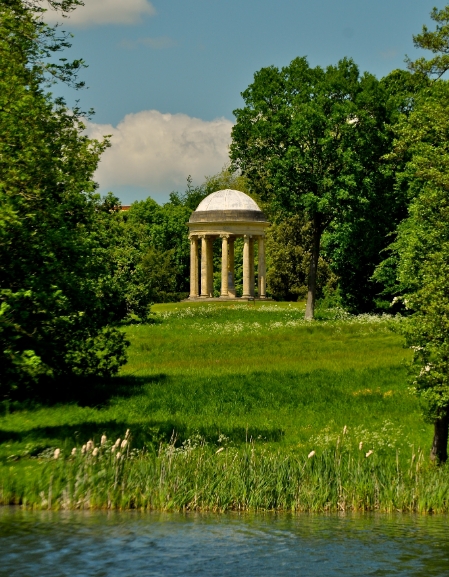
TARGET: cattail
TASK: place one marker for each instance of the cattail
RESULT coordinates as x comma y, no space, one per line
118,455
114,447
128,432
370,452
360,445
89,445
345,430
117,442
103,439
311,454
57,453
95,452
83,450
73,451
124,443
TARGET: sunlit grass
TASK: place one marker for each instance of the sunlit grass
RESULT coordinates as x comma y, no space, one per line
252,374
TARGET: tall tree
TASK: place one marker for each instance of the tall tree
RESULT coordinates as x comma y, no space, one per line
288,255
422,252
58,301
369,226
421,249
310,140
437,41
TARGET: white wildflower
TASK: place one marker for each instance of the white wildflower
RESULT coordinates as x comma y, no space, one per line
360,445
369,453
345,430
118,455
89,445
425,370
124,443
73,451
311,454
57,453
95,452
103,439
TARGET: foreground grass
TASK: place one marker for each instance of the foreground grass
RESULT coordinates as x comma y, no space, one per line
198,477
224,404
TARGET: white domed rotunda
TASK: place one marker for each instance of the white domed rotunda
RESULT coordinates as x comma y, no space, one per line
226,214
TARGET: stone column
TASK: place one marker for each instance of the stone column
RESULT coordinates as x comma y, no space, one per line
231,272
262,277
210,266
204,271
251,267
193,267
246,267
224,265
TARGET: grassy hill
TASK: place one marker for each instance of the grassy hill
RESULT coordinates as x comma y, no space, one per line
228,378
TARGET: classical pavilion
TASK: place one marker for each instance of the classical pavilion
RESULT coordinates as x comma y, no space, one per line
226,214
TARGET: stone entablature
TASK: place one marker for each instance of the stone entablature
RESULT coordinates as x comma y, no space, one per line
226,214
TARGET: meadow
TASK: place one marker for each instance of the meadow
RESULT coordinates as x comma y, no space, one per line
243,406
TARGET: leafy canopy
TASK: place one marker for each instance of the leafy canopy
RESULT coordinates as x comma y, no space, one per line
310,141
422,251
58,297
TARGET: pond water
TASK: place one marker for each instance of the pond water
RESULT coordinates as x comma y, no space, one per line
154,544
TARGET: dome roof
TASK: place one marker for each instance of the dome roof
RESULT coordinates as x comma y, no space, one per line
227,205
227,200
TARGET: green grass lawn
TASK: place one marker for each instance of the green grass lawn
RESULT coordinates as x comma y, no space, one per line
233,406
233,374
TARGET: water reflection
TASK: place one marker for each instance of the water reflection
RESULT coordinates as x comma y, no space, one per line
132,544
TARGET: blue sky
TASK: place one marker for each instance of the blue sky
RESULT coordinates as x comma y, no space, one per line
165,76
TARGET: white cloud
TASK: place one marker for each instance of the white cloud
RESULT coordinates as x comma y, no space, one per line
158,151
96,12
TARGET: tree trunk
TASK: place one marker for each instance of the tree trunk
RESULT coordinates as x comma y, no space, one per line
313,269
439,446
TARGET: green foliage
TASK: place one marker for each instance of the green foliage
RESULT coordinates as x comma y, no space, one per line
422,244
56,292
310,141
161,274
288,254
437,42
166,233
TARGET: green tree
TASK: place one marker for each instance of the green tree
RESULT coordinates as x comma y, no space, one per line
310,141
58,302
167,234
288,256
125,246
436,41
422,253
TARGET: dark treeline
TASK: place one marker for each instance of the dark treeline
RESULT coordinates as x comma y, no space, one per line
352,171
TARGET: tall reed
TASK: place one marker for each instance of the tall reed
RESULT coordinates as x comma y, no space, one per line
197,476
